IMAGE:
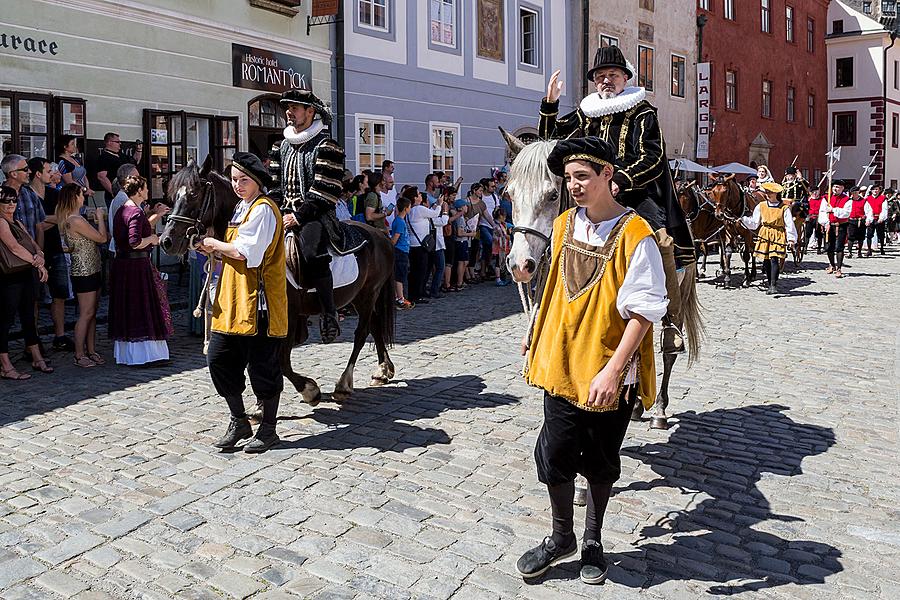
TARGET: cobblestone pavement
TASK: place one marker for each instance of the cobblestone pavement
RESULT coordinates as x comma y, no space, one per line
777,479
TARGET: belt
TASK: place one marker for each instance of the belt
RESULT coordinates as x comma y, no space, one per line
133,254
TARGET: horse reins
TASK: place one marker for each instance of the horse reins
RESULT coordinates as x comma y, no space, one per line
196,228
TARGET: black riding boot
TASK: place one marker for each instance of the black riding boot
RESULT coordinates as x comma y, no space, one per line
329,326
773,276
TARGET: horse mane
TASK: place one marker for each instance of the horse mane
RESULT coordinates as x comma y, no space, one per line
188,177
530,165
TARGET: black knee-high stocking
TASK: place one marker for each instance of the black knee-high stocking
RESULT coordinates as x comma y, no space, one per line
563,511
767,268
840,260
774,271
597,500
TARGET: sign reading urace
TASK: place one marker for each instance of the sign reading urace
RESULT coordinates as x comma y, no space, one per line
258,69
28,44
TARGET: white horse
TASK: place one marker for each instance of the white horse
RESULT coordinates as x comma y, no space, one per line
538,197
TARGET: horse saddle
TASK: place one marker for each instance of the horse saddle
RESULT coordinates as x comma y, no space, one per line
352,239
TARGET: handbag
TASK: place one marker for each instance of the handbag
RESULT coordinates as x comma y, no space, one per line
9,262
428,242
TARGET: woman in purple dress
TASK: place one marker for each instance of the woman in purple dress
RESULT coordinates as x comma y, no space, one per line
139,319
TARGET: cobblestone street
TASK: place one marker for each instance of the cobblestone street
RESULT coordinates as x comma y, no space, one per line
778,477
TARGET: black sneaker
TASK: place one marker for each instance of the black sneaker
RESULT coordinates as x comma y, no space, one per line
536,561
63,343
238,429
593,564
264,439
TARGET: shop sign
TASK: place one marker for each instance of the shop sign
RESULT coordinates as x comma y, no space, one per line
325,8
257,69
28,44
703,98
159,136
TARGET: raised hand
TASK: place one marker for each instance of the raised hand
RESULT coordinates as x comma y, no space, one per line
554,88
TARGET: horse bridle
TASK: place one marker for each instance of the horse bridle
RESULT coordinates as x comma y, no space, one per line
196,228
728,216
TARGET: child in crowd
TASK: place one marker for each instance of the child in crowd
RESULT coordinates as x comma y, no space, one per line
400,239
463,232
501,246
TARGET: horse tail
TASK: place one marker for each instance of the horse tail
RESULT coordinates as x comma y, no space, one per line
386,312
690,309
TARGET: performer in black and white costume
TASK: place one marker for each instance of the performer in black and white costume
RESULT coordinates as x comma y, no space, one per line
312,166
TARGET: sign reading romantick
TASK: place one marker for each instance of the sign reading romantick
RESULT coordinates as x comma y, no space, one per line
257,69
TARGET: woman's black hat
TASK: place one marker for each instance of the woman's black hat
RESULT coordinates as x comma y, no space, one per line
307,98
610,56
591,149
249,163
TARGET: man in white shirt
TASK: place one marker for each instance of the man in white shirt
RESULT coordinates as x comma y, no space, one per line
388,194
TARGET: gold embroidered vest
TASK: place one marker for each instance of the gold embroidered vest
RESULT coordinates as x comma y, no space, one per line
578,327
236,303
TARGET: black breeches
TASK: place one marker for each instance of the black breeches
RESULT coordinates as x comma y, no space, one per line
875,230
260,355
836,237
812,227
857,231
314,240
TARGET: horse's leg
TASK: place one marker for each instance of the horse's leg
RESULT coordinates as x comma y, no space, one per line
660,420
726,252
344,388
747,256
305,386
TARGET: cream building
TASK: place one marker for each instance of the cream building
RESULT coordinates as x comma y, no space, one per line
863,95
188,78
660,39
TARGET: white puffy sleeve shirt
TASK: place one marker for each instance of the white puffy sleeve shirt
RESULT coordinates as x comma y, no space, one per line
255,235
753,221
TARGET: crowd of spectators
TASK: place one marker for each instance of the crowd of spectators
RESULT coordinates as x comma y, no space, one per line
53,250
444,240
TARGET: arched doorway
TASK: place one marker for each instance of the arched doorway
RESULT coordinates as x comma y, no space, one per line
266,123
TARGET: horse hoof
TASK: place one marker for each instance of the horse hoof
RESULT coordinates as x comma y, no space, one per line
340,397
659,423
378,381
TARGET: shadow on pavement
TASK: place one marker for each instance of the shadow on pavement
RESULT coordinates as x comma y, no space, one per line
383,417
731,535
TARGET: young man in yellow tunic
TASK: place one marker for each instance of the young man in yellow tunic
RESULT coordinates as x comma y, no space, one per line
776,234
591,348
249,314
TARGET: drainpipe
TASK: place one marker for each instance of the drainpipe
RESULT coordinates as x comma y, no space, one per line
585,43
340,117
884,129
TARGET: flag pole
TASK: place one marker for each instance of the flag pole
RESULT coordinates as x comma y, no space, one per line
867,170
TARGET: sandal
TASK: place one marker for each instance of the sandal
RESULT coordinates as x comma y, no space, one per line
84,362
829,269
41,366
96,358
13,375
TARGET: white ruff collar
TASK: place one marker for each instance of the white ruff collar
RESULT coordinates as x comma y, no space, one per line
304,136
595,106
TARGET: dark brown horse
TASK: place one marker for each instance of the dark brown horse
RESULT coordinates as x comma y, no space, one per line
203,202
732,203
706,229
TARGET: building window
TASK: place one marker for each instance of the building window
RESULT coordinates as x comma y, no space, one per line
678,72
810,111
30,123
897,75
704,4
791,94
844,125
373,13
445,149
730,90
895,130
888,8
528,30
645,68
266,122
810,35
373,141
648,5
765,16
867,8
443,22
729,10
766,98
844,72
789,23
607,40
837,26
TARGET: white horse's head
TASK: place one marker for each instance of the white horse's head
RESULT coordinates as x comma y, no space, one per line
534,192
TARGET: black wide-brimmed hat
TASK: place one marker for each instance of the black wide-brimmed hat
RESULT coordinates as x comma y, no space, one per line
254,168
610,56
307,98
855,188
591,149
790,171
